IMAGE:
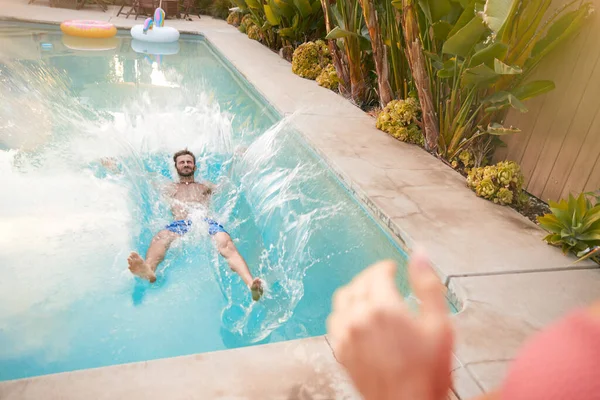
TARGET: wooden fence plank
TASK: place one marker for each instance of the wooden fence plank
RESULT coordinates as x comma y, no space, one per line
559,113
584,164
559,146
578,130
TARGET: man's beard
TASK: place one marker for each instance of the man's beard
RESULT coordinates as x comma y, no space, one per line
185,174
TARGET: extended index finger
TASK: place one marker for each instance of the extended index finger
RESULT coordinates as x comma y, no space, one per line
427,286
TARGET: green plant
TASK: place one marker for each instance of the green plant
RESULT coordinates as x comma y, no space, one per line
400,78
501,183
253,32
479,54
216,8
310,58
467,158
417,63
234,18
246,22
256,16
378,50
328,78
574,225
220,8
285,22
349,36
399,118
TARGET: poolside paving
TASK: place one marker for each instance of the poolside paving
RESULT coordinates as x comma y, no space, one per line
508,282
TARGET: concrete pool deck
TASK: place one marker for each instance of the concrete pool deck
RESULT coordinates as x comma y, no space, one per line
508,283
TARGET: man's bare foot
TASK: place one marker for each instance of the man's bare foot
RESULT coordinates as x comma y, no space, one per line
257,289
138,267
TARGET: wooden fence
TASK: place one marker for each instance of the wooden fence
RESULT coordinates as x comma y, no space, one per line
559,144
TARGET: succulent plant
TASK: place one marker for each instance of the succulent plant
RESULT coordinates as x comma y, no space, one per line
486,188
574,225
253,32
504,196
323,48
502,183
508,172
328,78
466,158
248,20
234,18
398,118
310,58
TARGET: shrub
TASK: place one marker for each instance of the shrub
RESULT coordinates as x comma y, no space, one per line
216,8
399,119
574,225
253,32
235,18
501,183
467,158
310,58
328,78
246,22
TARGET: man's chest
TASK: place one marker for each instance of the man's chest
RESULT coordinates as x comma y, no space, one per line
191,192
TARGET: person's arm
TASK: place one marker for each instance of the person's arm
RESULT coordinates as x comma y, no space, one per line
212,187
111,165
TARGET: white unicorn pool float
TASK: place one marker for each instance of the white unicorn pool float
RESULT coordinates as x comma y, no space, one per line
154,30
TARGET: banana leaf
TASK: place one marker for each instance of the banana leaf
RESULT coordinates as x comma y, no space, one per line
441,30
286,9
304,7
476,76
272,18
488,54
499,130
241,4
463,41
533,89
256,4
502,69
435,10
562,29
496,12
338,33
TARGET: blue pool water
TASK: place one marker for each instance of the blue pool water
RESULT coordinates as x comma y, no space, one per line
67,300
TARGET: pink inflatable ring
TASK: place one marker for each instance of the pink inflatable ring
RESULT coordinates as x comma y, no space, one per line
88,28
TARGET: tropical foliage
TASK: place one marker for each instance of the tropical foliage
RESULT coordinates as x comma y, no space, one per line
574,225
479,56
444,72
285,22
216,8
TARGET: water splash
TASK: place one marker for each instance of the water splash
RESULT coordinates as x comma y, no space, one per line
67,207
68,224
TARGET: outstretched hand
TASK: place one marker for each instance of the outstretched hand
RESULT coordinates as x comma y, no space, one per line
389,352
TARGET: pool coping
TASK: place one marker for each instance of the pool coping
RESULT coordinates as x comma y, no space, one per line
489,272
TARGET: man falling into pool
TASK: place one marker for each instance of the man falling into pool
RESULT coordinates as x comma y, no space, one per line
186,195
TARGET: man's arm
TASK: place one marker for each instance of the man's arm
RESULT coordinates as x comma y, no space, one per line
110,164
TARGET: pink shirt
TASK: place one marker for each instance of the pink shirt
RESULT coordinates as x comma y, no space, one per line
561,362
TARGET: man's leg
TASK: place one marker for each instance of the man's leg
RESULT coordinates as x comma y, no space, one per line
154,256
236,262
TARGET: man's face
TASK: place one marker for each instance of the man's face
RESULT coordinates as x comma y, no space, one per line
185,165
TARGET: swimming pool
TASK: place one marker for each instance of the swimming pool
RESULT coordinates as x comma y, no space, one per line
67,300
